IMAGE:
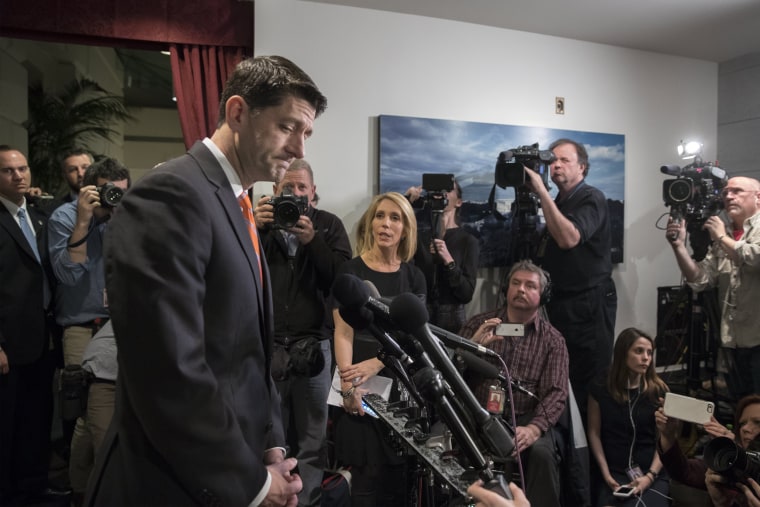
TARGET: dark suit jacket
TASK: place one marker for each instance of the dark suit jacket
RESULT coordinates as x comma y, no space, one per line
23,333
196,405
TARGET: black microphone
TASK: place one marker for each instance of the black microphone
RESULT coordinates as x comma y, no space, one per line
362,318
351,292
373,292
409,312
457,342
672,170
487,370
452,340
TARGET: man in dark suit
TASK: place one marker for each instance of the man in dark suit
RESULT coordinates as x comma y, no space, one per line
26,365
197,414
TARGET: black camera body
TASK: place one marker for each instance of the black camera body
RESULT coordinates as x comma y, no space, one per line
695,194
509,171
110,195
287,209
436,186
723,456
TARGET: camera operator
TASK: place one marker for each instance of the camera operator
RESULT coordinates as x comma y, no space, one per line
76,231
733,265
448,257
575,250
302,260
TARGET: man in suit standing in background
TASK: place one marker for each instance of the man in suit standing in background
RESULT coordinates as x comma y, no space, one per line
197,418
26,364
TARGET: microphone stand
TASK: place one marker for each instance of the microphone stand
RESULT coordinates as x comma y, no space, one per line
429,382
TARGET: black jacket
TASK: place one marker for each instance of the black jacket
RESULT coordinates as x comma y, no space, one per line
301,285
23,323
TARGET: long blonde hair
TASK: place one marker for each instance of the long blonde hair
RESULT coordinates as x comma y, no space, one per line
365,240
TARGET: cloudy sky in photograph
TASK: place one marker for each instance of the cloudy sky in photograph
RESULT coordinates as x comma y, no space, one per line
410,147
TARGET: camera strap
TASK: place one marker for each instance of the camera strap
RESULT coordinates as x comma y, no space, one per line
89,231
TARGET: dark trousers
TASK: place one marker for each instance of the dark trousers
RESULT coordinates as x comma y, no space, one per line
26,416
540,464
587,321
378,485
746,374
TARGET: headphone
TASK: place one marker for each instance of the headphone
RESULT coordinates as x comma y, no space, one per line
546,294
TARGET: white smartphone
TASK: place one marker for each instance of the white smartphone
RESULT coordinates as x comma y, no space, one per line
623,491
510,330
689,409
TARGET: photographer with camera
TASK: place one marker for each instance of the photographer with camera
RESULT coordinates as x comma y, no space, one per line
695,472
733,265
446,254
76,232
575,250
304,247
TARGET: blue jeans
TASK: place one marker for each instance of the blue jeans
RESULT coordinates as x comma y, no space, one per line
304,416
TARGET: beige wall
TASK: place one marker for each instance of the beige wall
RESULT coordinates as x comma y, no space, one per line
153,136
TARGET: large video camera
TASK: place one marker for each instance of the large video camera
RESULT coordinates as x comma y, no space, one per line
436,187
510,172
723,456
287,209
694,194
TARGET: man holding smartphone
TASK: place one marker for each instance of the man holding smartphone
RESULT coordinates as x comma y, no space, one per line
537,360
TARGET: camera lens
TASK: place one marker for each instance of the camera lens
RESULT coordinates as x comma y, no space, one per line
721,454
286,214
110,195
679,190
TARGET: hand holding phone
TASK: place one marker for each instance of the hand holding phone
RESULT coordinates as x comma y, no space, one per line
623,492
689,409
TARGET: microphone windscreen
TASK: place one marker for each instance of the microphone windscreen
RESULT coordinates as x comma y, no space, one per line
478,365
357,318
349,290
408,312
672,170
373,292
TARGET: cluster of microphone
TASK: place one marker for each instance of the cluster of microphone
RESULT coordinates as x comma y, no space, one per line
411,348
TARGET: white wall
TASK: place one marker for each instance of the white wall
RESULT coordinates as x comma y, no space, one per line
153,136
739,115
371,62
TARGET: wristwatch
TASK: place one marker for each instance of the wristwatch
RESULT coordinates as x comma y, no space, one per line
450,266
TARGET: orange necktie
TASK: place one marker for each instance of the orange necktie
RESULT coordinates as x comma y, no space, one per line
247,209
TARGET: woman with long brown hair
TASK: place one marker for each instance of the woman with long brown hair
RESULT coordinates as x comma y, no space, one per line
621,425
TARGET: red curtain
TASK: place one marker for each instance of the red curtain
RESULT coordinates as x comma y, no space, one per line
199,74
130,22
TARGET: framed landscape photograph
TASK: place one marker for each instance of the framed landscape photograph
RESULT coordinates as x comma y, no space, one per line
411,147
